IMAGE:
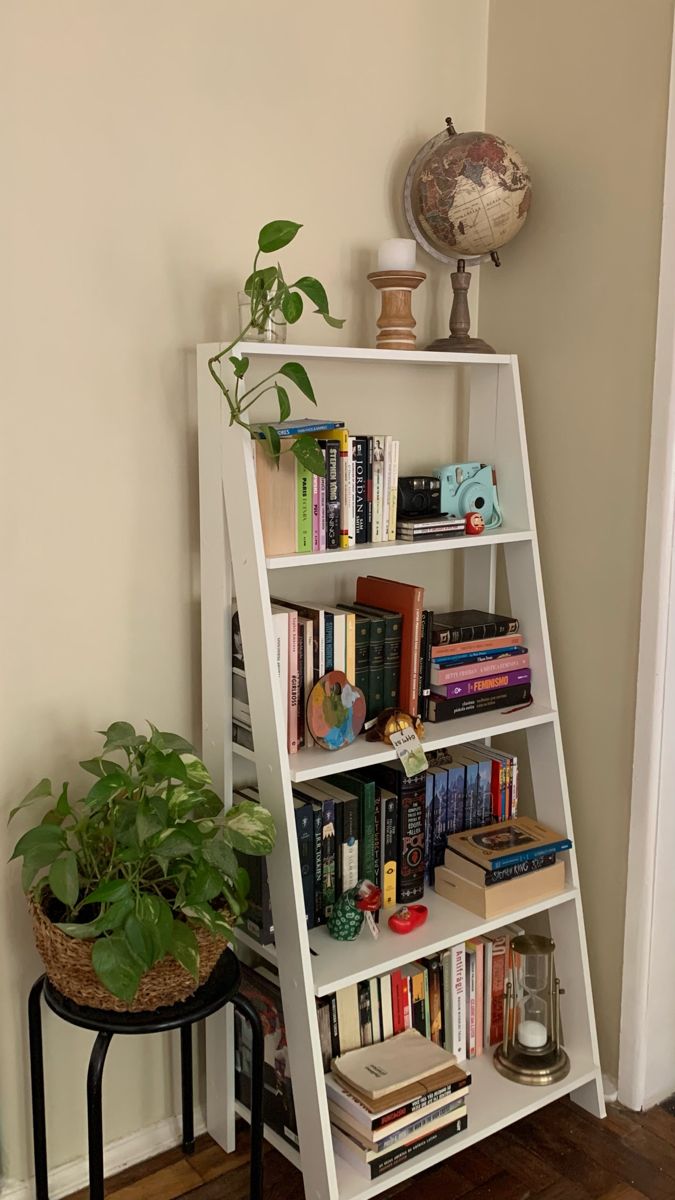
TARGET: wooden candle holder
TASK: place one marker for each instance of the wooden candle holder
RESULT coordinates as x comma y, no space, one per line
396,322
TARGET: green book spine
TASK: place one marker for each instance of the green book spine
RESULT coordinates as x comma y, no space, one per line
303,479
376,668
366,791
392,658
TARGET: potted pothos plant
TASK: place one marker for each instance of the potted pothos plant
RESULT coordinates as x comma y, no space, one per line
135,888
271,297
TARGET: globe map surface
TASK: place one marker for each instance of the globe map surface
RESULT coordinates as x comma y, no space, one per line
466,194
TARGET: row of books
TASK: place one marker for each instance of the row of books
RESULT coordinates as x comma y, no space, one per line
390,1101
352,504
377,824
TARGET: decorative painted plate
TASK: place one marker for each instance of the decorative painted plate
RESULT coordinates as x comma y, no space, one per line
336,711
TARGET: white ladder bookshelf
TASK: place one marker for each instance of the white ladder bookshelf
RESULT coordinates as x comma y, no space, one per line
312,964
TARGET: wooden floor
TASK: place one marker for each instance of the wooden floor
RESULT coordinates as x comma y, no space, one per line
559,1153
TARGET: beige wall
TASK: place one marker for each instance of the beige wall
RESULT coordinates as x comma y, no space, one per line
581,89
148,142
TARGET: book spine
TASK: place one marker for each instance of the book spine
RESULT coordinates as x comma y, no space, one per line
476,669
450,635
350,843
456,797
292,429
332,494
328,856
487,989
304,823
496,784
429,826
480,998
319,913
303,479
386,485
389,824
367,840
435,1001
393,489
365,1019
329,641
443,709
458,994
362,638
452,655
403,1154
316,519
397,1001
376,667
375,1008
485,683
360,490
350,646
387,1016
351,498
471,796
522,856
344,489
339,827
378,487
422,1123
369,490
410,858
426,616
293,692
470,954
302,696
513,810
496,1031
391,669
406,1001
484,813
334,1027
413,1106
322,505
440,819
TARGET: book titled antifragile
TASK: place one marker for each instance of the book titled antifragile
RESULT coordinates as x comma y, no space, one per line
507,843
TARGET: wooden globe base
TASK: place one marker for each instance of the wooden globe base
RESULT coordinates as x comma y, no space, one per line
461,345
460,322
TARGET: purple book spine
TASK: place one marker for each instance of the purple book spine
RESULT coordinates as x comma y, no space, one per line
486,683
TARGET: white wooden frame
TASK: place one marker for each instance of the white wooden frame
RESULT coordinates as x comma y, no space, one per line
647,1046
496,433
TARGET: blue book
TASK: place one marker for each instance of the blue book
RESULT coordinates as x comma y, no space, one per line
440,831
474,656
456,791
293,427
512,860
470,789
304,824
483,784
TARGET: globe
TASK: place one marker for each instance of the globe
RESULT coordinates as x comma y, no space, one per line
466,195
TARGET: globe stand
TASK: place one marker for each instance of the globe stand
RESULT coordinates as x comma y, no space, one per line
460,321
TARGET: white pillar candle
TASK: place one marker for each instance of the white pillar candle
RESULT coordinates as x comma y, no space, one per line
532,1034
397,254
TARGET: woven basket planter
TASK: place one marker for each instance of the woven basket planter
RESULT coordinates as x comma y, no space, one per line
68,965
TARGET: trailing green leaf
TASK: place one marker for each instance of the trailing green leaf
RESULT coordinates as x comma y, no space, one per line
308,453
249,827
314,291
298,375
64,880
276,235
39,792
291,307
117,966
185,948
284,402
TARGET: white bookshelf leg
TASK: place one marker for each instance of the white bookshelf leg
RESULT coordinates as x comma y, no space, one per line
591,1097
220,1078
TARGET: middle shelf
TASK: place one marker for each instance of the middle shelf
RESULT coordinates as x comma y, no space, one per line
337,964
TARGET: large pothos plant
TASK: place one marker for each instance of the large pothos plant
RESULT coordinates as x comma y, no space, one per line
272,297
145,856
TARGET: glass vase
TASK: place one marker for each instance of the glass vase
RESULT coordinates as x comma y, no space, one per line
273,330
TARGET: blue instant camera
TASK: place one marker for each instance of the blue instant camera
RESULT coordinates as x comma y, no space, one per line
470,487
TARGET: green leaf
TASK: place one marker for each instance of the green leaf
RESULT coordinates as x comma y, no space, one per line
172,741
158,913
291,307
111,890
104,789
115,915
284,402
64,879
250,827
240,365
120,736
260,281
80,932
185,948
272,442
94,766
298,375
47,837
242,882
148,822
117,967
334,322
62,804
197,773
142,938
41,789
173,843
222,857
307,452
276,235
35,861
208,917
205,884
314,291
162,767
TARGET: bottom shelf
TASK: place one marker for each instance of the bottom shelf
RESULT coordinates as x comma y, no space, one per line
271,1136
493,1103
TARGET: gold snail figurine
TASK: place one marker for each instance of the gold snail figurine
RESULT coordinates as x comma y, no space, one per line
392,720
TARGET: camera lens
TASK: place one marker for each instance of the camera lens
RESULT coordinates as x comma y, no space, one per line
480,502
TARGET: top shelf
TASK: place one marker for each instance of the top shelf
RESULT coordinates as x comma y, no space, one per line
364,354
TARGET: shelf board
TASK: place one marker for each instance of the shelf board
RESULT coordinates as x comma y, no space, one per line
337,964
361,354
493,1103
386,549
315,763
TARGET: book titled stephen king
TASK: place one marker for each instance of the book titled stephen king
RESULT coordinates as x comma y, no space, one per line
484,683
443,709
406,599
332,494
411,794
360,490
345,487
470,624
475,874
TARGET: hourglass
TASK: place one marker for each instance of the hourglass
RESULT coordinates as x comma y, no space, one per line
531,1051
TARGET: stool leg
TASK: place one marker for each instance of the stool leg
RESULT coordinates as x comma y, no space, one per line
257,1068
186,1089
37,1087
95,1114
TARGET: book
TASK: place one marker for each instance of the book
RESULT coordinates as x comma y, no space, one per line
480,647
361,637
500,943
393,490
461,758
325,1036
443,709
507,842
398,1154
322,502
435,992
386,487
281,623
360,490
332,493
364,788
470,958
257,919
477,947
304,827
406,599
369,490
262,990
456,1083
348,1018
372,1149
351,494
485,683
316,519
295,426
483,815
293,686
470,624
439,779
375,1008
378,487
380,1138
516,658
456,797
365,1012
316,616
306,640
456,1001
389,846
386,1011
347,804
502,898
376,1072
390,660
345,487
429,535
411,796
303,477
482,878
425,663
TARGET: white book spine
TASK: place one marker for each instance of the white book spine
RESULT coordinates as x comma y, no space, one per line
393,488
385,1007
471,1003
375,1009
378,487
514,787
458,990
386,487
339,641
280,623
487,991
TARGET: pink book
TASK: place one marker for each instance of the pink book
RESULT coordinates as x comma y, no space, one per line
497,643
322,513
316,520
492,666
293,682
480,998
470,999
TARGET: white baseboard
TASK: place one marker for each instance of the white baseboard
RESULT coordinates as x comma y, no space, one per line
610,1088
120,1154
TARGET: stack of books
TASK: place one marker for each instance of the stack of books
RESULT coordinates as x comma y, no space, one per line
392,1101
500,867
352,504
478,663
426,527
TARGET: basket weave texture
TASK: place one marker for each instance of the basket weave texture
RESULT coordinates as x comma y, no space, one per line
68,965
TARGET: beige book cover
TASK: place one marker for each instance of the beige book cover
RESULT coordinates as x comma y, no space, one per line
507,842
378,1070
501,898
277,493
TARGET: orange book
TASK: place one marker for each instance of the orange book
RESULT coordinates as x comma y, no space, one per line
408,600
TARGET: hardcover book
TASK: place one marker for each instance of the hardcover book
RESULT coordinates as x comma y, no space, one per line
470,624
442,709
385,1070
411,794
406,599
507,842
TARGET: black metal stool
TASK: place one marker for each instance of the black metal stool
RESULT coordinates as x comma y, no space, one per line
221,988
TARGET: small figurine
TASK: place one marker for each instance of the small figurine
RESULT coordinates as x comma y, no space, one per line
410,917
349,912
392,720
474,523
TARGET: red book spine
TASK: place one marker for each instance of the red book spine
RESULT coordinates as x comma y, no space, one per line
496,790
397,1001
407,1002
498,985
